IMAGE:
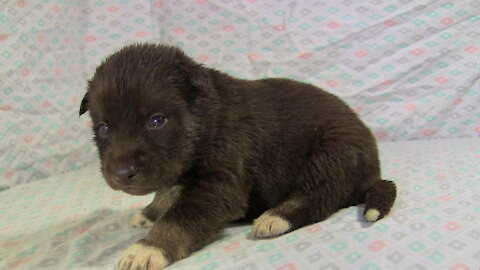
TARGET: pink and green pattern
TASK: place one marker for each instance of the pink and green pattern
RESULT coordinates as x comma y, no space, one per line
409,68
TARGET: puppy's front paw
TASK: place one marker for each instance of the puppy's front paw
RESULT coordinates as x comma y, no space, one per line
268,225
139,220
142,257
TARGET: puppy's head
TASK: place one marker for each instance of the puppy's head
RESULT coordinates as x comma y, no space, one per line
140,101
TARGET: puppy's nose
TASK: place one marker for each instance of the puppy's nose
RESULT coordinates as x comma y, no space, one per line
125,171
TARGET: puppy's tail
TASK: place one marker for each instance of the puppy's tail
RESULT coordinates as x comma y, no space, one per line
379,199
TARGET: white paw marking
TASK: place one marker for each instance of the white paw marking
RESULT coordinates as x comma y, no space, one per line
372,215
142,257
140,221
269,226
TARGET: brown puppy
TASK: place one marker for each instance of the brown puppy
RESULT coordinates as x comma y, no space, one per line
215,149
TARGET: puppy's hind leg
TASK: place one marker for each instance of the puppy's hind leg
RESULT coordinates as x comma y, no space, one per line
326,184
297,211
275,222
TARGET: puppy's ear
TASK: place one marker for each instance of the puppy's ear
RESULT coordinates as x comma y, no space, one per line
195,74
83,105
198,77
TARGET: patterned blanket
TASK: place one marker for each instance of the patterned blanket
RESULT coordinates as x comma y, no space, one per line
409,68
75,221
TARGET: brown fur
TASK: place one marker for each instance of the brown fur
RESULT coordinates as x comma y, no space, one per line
162,203
236,147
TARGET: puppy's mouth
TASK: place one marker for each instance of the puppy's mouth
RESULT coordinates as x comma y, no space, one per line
137,187
132,190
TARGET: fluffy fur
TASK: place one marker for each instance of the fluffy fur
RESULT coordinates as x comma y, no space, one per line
226,149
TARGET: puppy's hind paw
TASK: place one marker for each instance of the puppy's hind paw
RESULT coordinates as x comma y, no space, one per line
139,220
268,225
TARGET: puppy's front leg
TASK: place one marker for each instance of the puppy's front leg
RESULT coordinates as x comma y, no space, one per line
161,203
200,212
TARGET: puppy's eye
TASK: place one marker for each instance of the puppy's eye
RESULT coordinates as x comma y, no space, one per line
157,121
103,130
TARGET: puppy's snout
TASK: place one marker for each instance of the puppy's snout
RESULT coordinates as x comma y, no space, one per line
125,171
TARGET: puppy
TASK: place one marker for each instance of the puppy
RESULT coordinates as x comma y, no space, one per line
216,149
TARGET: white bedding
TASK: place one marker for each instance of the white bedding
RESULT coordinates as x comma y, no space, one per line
75,221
